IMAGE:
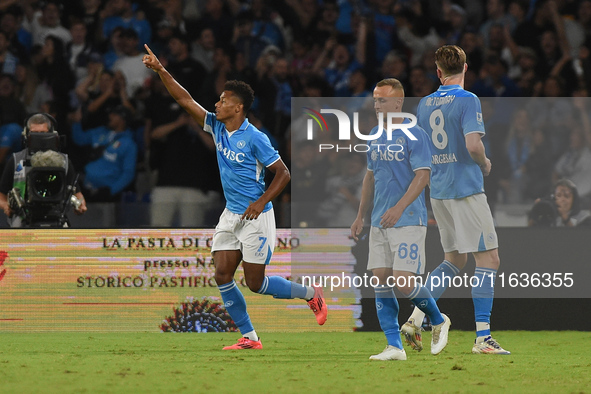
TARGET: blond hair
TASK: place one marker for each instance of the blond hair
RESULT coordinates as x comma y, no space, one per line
450,59
392,82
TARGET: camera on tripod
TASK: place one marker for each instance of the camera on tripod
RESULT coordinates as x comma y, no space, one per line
42,195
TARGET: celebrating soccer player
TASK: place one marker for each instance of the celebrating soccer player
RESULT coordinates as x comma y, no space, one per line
246,229
397,173
454,118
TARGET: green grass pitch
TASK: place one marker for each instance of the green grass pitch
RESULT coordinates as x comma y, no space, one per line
289,363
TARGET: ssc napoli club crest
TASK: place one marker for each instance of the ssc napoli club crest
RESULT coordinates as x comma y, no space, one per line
241,144
400,140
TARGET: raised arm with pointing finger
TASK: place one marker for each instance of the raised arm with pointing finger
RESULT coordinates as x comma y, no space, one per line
177,92
245,233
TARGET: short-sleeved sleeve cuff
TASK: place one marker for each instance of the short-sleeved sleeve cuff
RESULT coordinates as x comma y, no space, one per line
210,119
273,161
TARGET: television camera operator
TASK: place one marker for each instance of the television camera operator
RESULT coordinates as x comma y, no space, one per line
39,183
563,208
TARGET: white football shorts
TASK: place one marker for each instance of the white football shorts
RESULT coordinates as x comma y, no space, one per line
254,238
399,248
465,224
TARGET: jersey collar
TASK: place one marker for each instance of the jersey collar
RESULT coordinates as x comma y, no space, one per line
244,124
242,127
449,87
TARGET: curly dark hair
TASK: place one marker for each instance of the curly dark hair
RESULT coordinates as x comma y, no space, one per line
243,91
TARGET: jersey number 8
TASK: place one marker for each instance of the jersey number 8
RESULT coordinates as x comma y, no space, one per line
437,122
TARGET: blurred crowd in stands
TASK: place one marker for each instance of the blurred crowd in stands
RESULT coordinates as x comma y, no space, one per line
80,61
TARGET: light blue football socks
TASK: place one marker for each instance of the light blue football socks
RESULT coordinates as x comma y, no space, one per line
387,309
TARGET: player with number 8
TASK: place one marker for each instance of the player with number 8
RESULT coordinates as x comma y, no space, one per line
453,116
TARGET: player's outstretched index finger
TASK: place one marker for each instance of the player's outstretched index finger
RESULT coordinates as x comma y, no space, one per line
149,50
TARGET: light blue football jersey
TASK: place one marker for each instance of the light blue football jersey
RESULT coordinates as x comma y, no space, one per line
449,115
393,164
242,157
